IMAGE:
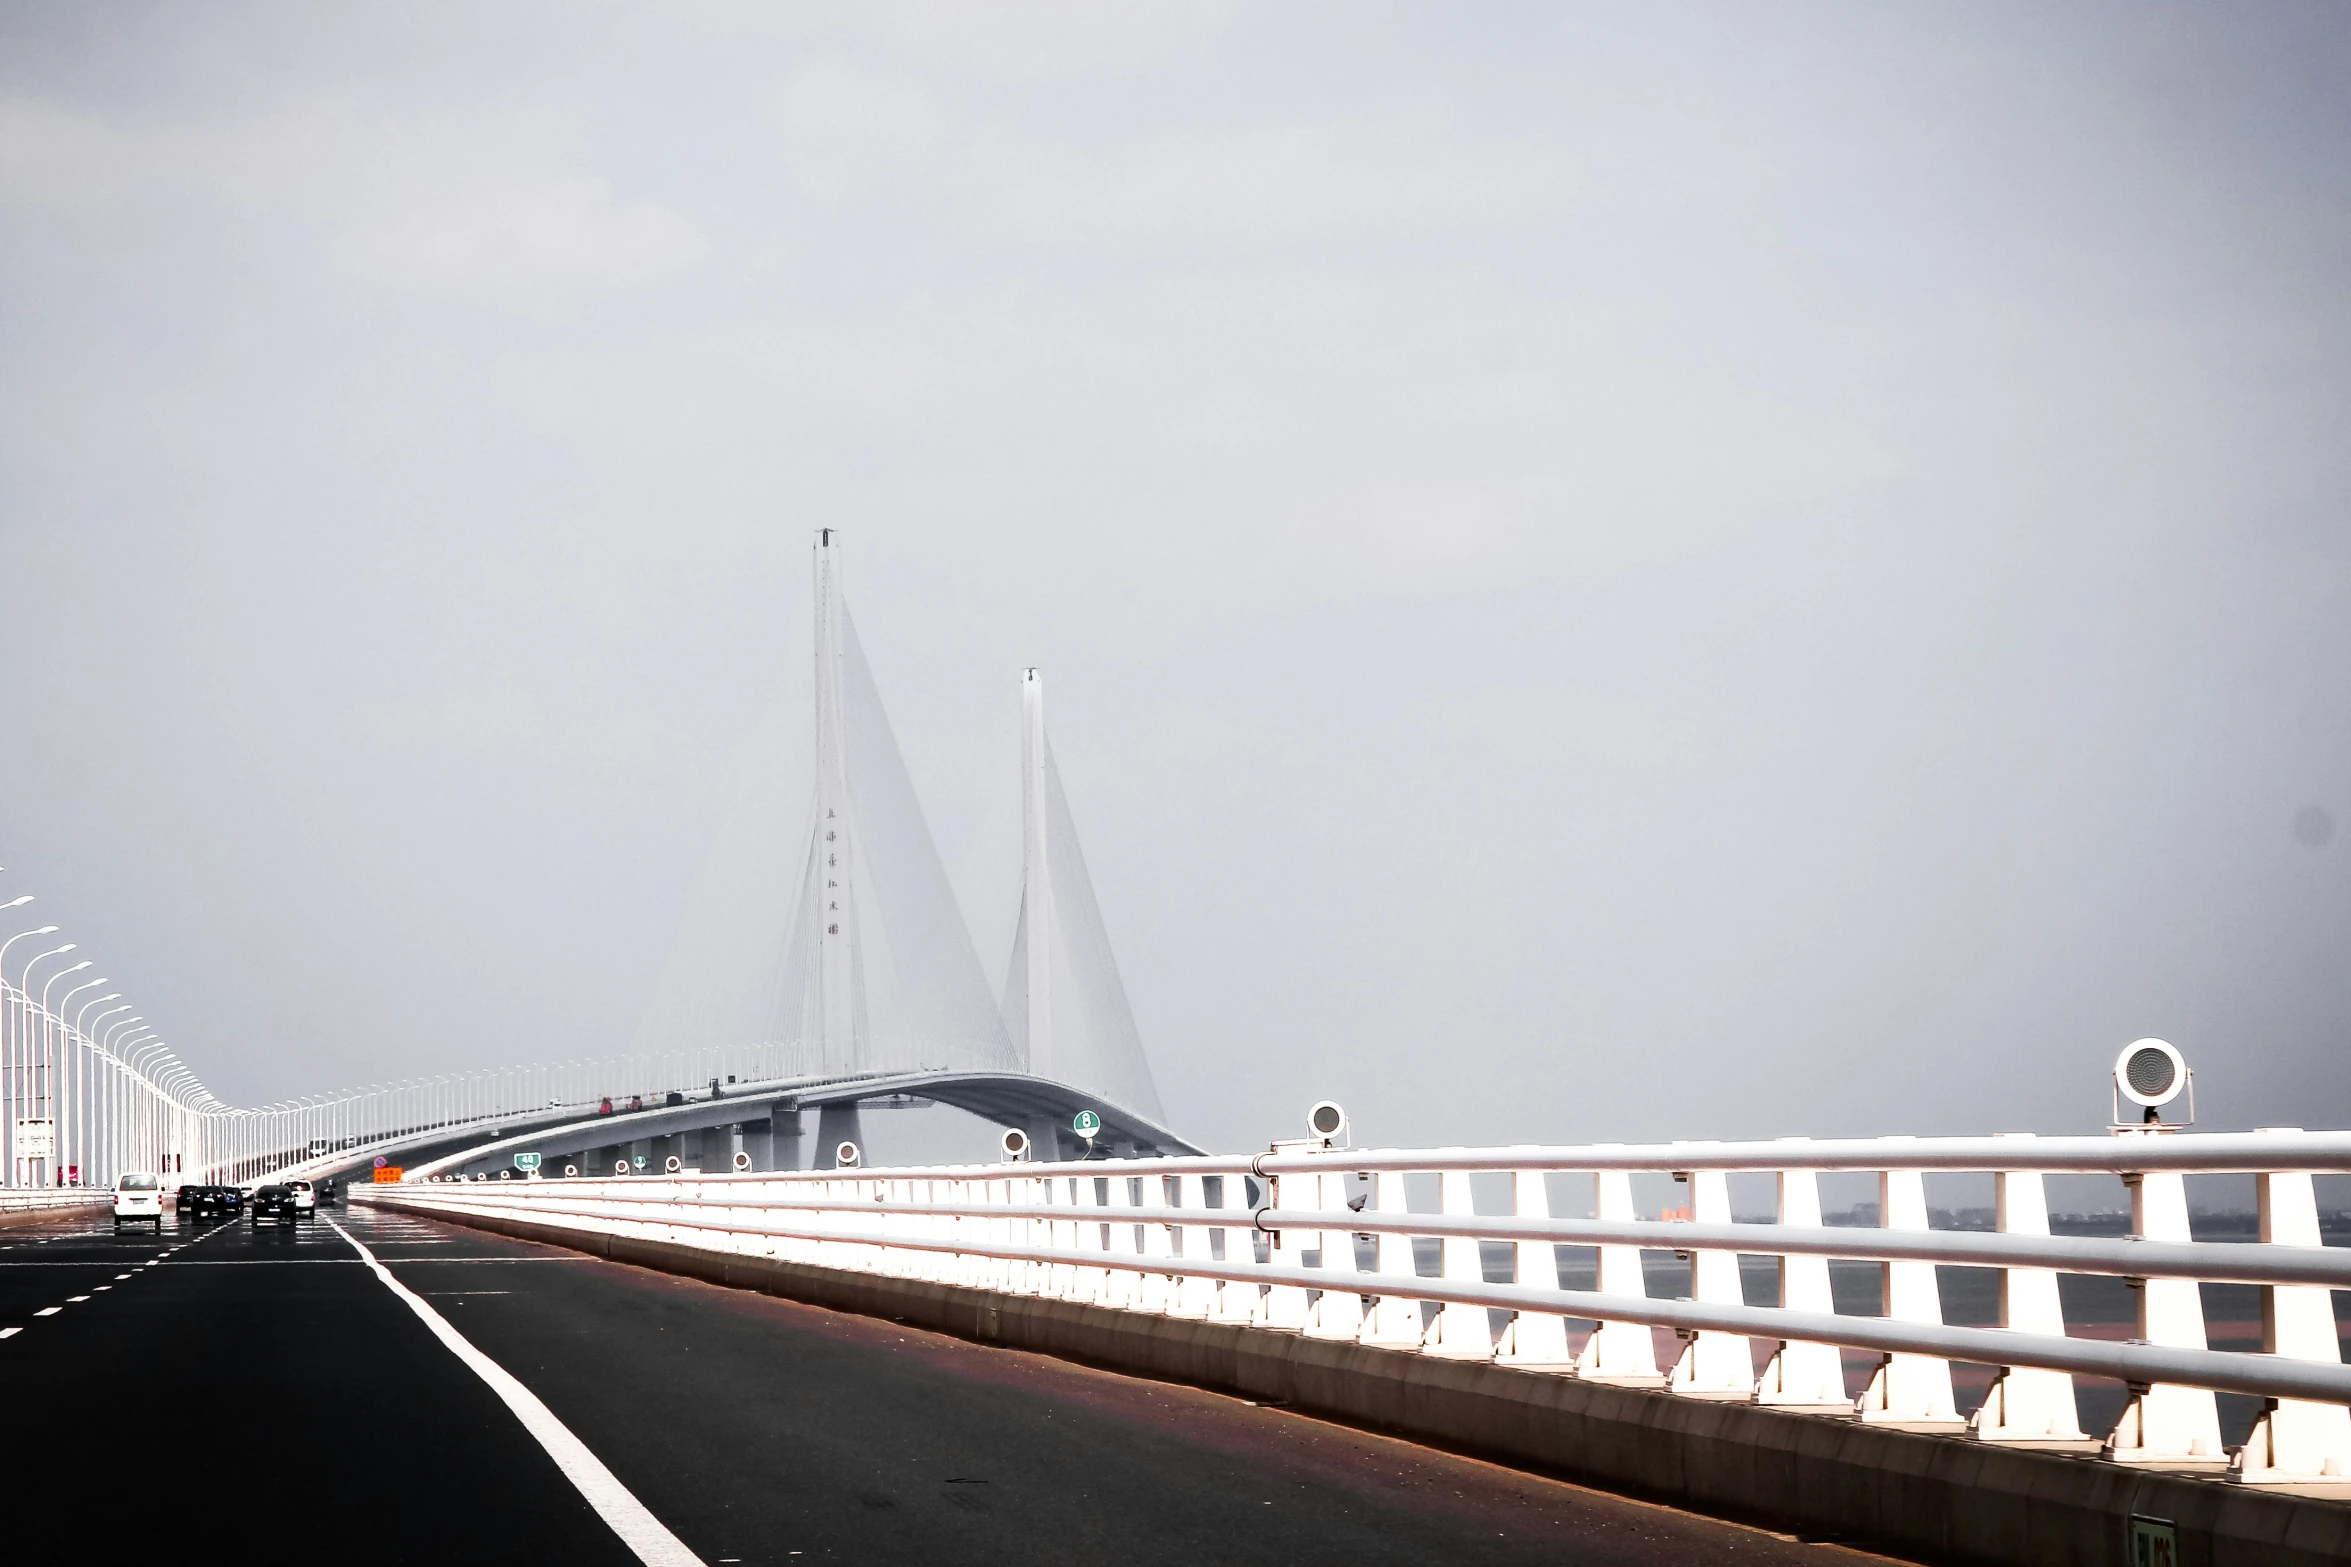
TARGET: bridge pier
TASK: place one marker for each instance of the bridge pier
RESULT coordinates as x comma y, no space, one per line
787,1151
710,1150
835,1125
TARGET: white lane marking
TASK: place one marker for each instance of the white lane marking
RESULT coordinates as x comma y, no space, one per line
75,1300
629,1518
48,1311
10,1332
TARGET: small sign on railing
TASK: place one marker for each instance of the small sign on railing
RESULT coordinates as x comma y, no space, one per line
387,1174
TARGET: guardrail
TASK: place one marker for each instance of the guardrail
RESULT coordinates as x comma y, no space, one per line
1182,1237
19,1204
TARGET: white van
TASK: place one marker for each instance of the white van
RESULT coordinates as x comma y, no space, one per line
305,1197
138,1194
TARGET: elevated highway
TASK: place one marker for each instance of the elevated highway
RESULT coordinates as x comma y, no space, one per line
768,1122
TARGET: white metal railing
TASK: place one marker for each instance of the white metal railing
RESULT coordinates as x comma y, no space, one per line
1180,1237
43,1201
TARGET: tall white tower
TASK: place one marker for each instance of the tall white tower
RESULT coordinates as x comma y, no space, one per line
1063,1000
834,852
1036,879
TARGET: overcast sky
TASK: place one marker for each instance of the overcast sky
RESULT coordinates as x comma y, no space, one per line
1602,572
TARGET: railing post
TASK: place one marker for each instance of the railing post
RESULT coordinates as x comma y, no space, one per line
1713,1364
1235,1302
1157,1292
1394,1318
1123,1285
1535,1340
1070,1281
1338,1310
2164,1423
1618,1351
1908,1390
1086,1283
1460,1332
1284,1305
2294,1439
1803,1375
1194,1297
2027,1404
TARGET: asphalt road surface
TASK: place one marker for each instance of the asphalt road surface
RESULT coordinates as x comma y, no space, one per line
232,1394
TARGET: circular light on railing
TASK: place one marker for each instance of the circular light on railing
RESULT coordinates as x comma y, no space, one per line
845,1156
1016,1143
620,1167
672,1165
2150,1072
1327,1121
742,1161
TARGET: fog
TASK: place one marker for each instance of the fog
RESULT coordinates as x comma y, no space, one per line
1603,572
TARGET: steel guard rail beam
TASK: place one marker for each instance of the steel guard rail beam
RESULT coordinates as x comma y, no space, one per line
2212,1262
2194,1153
2260,1375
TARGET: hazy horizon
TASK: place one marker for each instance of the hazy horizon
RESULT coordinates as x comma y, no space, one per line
1602,572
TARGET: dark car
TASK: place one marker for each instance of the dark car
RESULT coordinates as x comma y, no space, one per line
326,1194
211,1202
274,1205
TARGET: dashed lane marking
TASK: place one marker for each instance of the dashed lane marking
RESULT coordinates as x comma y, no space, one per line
629,1518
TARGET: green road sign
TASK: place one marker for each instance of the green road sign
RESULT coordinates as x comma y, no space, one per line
526,1161
640,1161
1085,1123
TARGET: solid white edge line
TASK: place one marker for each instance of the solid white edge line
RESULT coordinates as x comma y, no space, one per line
629,1518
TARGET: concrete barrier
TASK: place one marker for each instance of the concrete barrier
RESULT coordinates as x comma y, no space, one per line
33,1207
1939,1498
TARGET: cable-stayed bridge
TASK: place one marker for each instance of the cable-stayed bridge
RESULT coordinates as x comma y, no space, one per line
2027,1386
875,995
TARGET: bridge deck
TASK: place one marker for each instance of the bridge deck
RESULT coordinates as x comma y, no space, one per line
272,1387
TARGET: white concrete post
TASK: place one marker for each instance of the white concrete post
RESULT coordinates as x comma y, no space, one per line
1460,1332
1122,1285
1800,1375
2294,1439
1086,1283
1035,1230
1338,1310
1157,1290
1060,1232
1619,1351
1236,1302
1908,1390
1394,1319
2027,1404
1712,1364
1284,1305
1194,1297
2166,1424
1535,1340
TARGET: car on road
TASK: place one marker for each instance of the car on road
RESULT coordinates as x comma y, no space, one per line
211,1202
326,1193
138,1197
305,1197
274,1204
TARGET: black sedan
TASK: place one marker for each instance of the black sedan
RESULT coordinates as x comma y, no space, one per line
274,1205
211,1202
